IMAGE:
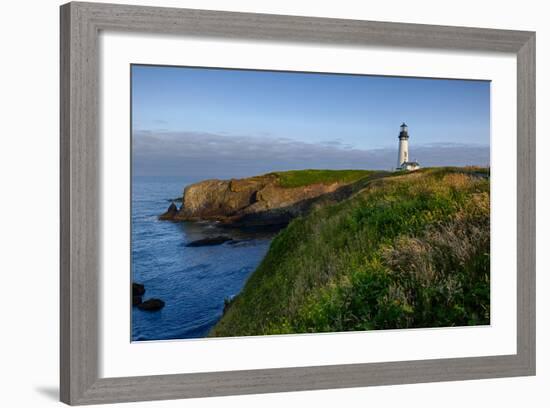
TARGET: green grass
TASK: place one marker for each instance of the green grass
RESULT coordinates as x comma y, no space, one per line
298,178
408,250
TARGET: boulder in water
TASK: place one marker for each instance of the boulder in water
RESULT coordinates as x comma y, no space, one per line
209,241
138,289
151,305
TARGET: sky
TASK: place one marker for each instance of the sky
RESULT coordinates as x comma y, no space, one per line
219,123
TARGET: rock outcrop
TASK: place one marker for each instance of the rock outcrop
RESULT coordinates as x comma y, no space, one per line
137,292
138,289
211,241
254,201
151,305
170,212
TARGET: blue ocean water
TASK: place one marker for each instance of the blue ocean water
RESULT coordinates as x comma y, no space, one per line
192,281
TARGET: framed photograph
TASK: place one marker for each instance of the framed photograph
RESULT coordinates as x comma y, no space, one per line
261,203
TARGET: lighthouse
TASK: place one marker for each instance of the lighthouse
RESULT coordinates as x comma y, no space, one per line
403,162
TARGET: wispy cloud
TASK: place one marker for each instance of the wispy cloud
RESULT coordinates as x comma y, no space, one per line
205,155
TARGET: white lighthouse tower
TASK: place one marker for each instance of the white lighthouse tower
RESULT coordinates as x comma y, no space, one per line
403,162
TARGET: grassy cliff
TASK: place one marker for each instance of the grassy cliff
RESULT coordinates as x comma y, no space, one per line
406,250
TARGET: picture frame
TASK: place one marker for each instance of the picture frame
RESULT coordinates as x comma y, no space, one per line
80,153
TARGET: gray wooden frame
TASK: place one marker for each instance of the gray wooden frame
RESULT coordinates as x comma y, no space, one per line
80,234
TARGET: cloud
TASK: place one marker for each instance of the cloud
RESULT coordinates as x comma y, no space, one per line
197,155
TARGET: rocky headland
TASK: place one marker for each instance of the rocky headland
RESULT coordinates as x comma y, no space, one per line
255,201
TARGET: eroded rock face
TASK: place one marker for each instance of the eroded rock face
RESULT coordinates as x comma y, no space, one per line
253,201
219,199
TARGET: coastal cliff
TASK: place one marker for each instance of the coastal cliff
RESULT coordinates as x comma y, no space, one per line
271,199
405,250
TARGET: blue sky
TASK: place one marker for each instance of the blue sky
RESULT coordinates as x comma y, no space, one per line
243,111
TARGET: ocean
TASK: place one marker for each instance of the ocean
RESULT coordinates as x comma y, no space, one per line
192,281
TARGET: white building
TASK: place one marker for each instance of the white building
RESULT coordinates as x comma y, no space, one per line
403,162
